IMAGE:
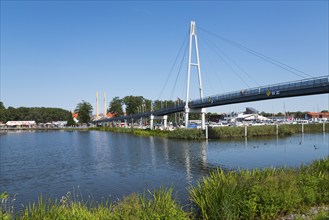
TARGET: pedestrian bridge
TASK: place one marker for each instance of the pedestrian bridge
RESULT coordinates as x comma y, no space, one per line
307,86
310,86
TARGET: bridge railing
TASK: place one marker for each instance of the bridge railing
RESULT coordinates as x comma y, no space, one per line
269,90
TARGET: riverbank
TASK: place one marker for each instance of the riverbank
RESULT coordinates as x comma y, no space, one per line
46,129
223,132
271,193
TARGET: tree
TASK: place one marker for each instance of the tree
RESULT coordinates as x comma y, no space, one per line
70,120
280,114
115,106
84,110
2,106
324,111
132,103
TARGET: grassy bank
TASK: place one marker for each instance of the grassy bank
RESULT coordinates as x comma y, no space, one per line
262,194
156,205
221,132
254,194
265,130
191,134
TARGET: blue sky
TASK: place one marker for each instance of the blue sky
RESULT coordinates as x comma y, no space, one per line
57,53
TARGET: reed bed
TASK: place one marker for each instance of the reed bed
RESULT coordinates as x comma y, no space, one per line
220,132
149,205
261,194
264,130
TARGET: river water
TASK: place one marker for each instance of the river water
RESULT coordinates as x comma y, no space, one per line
98,164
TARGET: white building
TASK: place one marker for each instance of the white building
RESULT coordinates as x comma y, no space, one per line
20,124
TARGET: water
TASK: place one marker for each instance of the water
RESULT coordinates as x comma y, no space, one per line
101,164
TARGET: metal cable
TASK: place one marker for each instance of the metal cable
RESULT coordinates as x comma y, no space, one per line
260,55
172,68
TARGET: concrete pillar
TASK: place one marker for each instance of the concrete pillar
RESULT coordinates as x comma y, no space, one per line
203,121
207,132
187,110
165,121
151,122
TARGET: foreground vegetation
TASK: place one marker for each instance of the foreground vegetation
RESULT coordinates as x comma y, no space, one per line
264,194
220,132
255,194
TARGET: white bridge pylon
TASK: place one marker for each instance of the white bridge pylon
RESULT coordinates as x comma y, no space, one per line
193,38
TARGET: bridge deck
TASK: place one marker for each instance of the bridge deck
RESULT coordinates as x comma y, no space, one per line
312,86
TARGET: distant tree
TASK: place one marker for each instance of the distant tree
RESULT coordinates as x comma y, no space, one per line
280,114
70,120
324,111
2,106
115,106
133,103
84,110
299,114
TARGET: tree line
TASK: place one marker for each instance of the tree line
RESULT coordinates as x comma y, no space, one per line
44,115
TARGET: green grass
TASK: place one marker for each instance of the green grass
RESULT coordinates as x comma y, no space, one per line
219,132
151,205
264,130
261,194
191,134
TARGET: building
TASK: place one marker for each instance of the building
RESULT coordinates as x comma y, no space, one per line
21,124
317,116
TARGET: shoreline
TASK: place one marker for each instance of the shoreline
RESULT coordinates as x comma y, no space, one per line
223,133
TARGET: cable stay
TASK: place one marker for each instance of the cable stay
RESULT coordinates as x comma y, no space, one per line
260,55
214,47
174,64
228,65
209,80
179,71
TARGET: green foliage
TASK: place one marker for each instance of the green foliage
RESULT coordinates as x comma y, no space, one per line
132,104
84,110
191,134
116,106
69,119
6,206
261,194
265,130
2,106
152,205
40,115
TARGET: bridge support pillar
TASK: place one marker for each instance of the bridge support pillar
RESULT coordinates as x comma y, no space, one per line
198,110
187,110
164,118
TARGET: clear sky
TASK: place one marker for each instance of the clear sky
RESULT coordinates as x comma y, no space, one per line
58,53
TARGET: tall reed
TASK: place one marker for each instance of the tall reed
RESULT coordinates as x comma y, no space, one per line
263,194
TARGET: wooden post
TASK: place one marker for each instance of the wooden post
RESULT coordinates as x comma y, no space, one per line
245,131
277,129
206,132
302,127
324,128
